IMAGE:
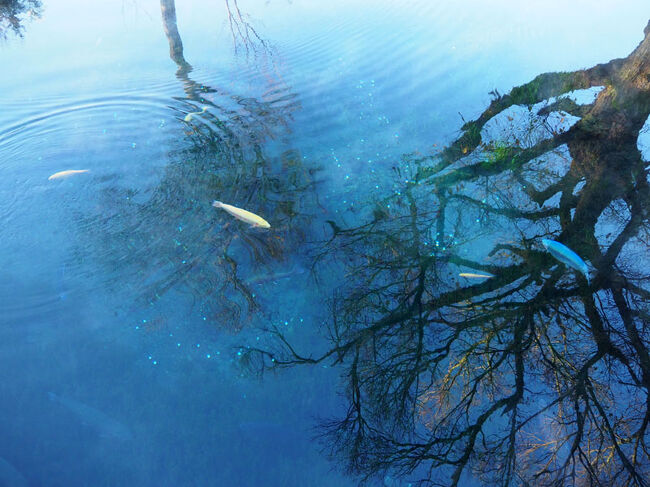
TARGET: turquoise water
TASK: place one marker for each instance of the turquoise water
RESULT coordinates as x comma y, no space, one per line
131,310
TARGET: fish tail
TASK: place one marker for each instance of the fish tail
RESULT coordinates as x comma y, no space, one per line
217,204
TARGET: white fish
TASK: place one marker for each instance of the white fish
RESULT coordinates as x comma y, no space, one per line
103,424
68,173
471,275
567,256
243,215
188,117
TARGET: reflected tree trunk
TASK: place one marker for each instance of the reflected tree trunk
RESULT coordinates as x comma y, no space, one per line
210,258
168,10
534,376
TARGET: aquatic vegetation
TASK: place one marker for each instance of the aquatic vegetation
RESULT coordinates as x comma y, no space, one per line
523,379
567,256
246,216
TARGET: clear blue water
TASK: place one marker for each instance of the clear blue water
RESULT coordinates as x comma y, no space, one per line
127,301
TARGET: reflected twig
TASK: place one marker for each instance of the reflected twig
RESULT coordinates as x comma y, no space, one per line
13,14
534,376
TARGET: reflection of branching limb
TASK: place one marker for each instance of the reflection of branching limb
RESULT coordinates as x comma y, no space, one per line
12,13
243,33
184,248
566,105
508,212
513,158
530,376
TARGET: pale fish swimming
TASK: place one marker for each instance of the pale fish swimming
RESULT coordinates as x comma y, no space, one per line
67,173
567,256
243,215
188,117
471,275
104,425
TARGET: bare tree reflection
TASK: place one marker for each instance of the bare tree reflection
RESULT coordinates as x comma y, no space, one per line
13,13
196,92
173,239
243,33
533,377
168,11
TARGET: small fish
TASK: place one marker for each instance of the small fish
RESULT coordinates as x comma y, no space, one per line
10,476
68,173
567,256
471,275
104,425
188,117
243,215
276,276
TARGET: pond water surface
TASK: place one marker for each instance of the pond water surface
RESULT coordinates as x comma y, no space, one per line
131,309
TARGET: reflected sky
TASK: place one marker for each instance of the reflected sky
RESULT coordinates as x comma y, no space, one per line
131,301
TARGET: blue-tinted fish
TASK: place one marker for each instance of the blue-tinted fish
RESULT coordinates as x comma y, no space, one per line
276,276
103,424
9,476
567,256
